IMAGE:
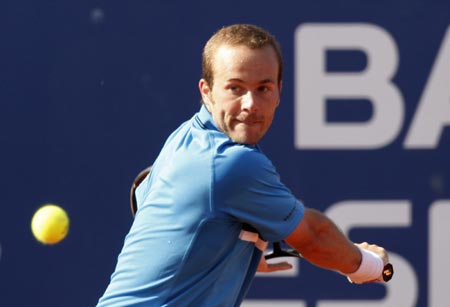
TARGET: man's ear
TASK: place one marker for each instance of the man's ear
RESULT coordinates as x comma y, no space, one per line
205,91
280,87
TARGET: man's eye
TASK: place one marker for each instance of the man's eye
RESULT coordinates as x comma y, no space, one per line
235,89
263,88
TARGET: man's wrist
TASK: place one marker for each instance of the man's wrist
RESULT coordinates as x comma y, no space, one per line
370,269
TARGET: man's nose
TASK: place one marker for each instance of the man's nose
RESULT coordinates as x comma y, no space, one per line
249,102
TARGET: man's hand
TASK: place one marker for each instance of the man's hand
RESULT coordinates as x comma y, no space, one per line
376,249
375,261
266,267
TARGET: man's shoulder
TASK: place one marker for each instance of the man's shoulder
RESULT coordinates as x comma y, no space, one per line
244,159
239,151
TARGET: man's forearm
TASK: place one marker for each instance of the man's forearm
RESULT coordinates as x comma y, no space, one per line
321,242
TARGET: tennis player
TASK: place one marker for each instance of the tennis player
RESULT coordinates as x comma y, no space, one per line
213,200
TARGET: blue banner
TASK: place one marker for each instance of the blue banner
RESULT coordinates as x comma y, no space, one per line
89,91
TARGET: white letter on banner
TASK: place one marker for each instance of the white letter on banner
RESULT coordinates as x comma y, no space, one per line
439,270
314,85
433,113
403,289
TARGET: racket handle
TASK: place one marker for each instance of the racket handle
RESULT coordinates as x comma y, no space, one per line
388,272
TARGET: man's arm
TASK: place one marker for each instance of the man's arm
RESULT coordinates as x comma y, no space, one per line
321,242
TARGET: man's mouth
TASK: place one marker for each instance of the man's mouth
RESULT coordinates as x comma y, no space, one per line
250,120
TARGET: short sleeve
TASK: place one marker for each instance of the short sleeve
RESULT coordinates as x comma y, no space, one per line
248,188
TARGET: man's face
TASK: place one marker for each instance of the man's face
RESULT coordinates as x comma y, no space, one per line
245,93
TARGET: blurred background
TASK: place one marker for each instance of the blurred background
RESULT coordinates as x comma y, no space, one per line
89,91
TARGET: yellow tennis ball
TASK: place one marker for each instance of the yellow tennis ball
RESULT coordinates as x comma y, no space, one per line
50,224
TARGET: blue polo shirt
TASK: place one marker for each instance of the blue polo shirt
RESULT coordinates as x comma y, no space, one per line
185,246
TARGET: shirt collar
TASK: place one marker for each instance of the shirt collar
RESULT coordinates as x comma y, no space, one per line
206,118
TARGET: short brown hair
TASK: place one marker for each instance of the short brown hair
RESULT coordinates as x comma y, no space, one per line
248,35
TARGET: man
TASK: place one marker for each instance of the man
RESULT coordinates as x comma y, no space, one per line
213,200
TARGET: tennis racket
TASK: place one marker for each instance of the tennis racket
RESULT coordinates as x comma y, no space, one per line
278,251
136,182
